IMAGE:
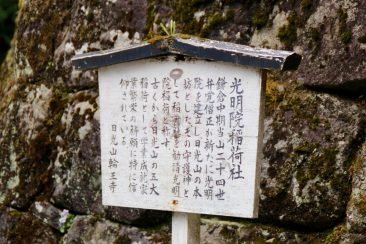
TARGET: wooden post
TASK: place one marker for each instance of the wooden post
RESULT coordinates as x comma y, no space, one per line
185,228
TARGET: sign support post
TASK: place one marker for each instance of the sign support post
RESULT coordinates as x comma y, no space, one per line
185,228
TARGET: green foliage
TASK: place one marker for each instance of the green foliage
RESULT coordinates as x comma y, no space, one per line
171,30
68,223
8,10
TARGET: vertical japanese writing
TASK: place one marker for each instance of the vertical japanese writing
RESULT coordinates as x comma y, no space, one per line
132,133
236,126
221,123
140,133
194,124
113,162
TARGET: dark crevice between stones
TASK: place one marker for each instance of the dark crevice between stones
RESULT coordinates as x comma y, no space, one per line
353,90
273,223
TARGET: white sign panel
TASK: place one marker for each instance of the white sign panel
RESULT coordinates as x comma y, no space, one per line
181,136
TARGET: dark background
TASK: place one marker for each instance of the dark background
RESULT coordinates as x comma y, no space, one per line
8,11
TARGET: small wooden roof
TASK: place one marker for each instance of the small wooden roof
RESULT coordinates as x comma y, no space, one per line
192,47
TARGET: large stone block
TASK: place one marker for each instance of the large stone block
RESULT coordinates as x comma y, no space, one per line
310,143
18,227
333,43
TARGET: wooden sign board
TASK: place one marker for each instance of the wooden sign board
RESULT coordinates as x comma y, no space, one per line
181,136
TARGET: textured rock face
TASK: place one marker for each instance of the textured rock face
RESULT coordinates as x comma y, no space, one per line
313,164
76,168
356,212
214,231
310,143
17,227
25,145
336,38
89,229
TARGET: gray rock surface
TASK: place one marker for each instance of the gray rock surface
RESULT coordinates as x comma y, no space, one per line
25,143
87,229
356,211
49,214
310,142
229,232
333,43
18,227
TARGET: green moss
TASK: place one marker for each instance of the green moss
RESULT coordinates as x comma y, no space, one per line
313,122
90,16
295,105
150,16
361,39
356,165
315,39
212,22
157,38
336,235
346,37
273,96
288,33
183,14
259,19
321,164
344,32
306,5
327,137
229,15
216,19
342,18
360,204
314,35
305,148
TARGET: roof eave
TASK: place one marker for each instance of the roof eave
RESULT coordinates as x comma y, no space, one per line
194,47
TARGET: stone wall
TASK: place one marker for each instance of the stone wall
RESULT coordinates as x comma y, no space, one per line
314,156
